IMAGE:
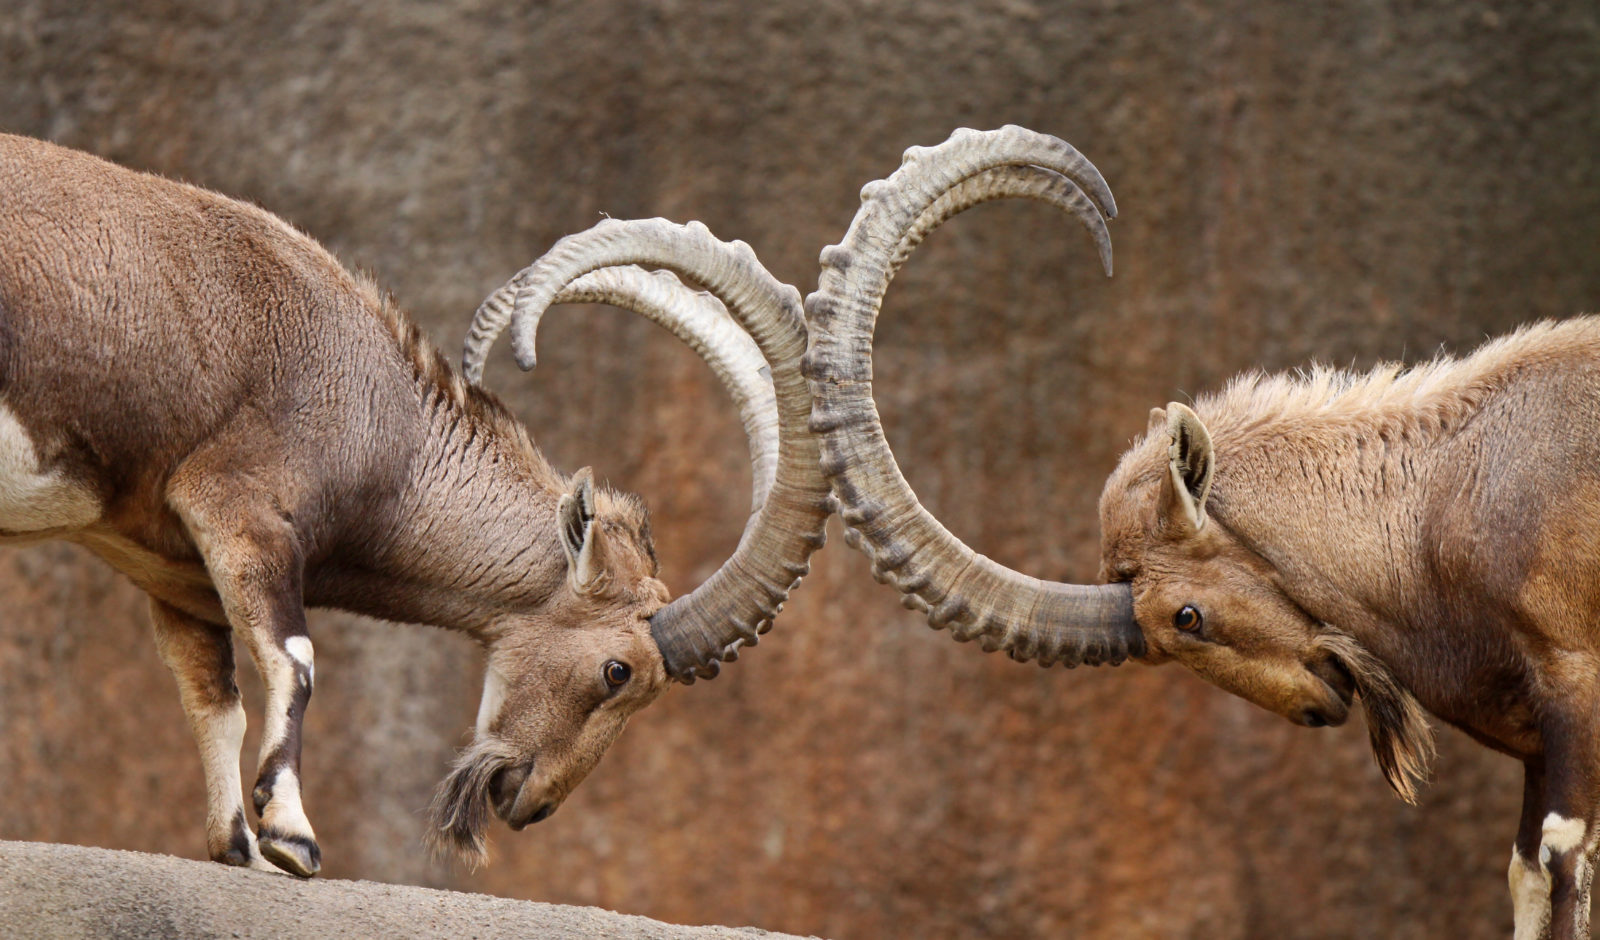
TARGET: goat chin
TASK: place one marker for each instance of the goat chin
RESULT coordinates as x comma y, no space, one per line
460,811
1402,739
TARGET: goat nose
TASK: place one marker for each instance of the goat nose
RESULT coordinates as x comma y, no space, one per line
504,785
542,813
1312,718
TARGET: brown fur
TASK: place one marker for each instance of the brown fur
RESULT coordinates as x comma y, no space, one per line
260,430
1419,535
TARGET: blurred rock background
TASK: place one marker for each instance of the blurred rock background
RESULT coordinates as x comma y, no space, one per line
1345,181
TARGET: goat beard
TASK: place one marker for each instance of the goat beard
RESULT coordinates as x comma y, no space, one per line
1402,739
459,813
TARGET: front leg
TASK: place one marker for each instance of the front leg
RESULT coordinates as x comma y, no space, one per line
1529,876
287,671
200,656
1567,834
252,554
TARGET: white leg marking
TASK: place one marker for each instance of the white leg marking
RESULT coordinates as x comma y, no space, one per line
221,734
1562,834
284,813
1530,897
30,498
278,675
494,696
299,649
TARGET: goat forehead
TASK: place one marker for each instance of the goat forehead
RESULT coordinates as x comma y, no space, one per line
1130,503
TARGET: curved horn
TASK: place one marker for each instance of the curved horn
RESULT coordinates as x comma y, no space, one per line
737,603
704,324
1007,182
975,597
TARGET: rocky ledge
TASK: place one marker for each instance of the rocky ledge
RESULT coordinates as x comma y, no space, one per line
71,891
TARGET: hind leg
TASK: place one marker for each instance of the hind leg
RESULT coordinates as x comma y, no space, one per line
200,656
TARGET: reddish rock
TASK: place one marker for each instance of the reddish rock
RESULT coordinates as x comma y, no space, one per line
1345,182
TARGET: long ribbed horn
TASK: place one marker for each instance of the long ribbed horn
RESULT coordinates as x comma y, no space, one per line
1008,182
737,603
973,596
705,325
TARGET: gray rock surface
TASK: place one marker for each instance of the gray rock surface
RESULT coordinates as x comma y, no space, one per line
69,891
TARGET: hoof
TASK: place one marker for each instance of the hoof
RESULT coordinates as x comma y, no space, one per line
234,857
252,862
296,855
240,850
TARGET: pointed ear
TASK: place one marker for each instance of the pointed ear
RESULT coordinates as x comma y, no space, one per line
1189,464
579,535
1158,420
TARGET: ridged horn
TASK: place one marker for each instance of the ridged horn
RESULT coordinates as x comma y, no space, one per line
736,604
705,325
1008,182
968,593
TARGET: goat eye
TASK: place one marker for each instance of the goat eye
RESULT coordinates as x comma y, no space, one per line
617,673
1187,619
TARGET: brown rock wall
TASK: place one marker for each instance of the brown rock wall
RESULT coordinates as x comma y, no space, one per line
1345,181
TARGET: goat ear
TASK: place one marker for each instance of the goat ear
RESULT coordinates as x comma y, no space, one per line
1189,464
579,535
1158,421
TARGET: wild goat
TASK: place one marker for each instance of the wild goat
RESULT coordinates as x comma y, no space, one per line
207,400
1401,536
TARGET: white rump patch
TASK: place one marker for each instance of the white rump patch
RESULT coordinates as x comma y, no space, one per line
32,500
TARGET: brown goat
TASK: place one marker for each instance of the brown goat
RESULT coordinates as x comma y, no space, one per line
207,400
1401,536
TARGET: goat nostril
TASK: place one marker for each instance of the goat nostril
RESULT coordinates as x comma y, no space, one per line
543,812
1313,718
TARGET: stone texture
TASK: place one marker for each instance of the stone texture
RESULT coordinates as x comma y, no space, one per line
68,891
1349,181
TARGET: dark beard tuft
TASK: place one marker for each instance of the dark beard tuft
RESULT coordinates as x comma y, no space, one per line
459,813
1402,740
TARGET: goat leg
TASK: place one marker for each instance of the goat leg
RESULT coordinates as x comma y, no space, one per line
256,564
1528,876
1566,828
200,656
